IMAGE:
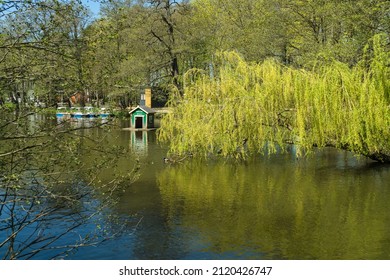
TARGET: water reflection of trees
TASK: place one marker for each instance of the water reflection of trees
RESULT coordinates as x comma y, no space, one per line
283,209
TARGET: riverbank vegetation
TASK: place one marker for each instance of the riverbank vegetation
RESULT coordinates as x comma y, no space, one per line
313,73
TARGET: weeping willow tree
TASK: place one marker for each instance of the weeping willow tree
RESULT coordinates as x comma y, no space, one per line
245,108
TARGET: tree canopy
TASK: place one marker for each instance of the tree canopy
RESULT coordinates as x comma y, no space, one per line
249,107
51,49
276,60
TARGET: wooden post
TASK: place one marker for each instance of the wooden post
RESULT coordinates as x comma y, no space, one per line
148,97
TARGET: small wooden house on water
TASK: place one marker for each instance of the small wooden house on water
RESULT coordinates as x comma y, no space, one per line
142,117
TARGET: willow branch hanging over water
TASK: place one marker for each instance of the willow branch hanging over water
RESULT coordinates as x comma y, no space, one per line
244,108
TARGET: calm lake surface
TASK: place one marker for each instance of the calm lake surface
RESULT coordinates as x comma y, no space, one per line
327,206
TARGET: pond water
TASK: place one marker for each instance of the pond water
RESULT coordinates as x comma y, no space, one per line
327,206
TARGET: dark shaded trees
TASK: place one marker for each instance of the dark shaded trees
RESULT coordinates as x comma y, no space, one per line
165,38
42,51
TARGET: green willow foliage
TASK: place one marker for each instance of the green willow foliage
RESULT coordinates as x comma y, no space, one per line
243,108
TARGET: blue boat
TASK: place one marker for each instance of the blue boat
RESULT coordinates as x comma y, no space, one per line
62,112
85,112
90,112
77,113
104,113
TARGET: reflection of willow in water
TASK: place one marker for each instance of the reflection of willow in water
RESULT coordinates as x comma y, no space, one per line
287,211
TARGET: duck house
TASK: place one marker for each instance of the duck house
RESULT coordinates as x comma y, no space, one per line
142,117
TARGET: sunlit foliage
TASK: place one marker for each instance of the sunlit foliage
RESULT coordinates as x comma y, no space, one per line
243,108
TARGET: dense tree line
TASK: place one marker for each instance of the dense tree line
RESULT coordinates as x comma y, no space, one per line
50,49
